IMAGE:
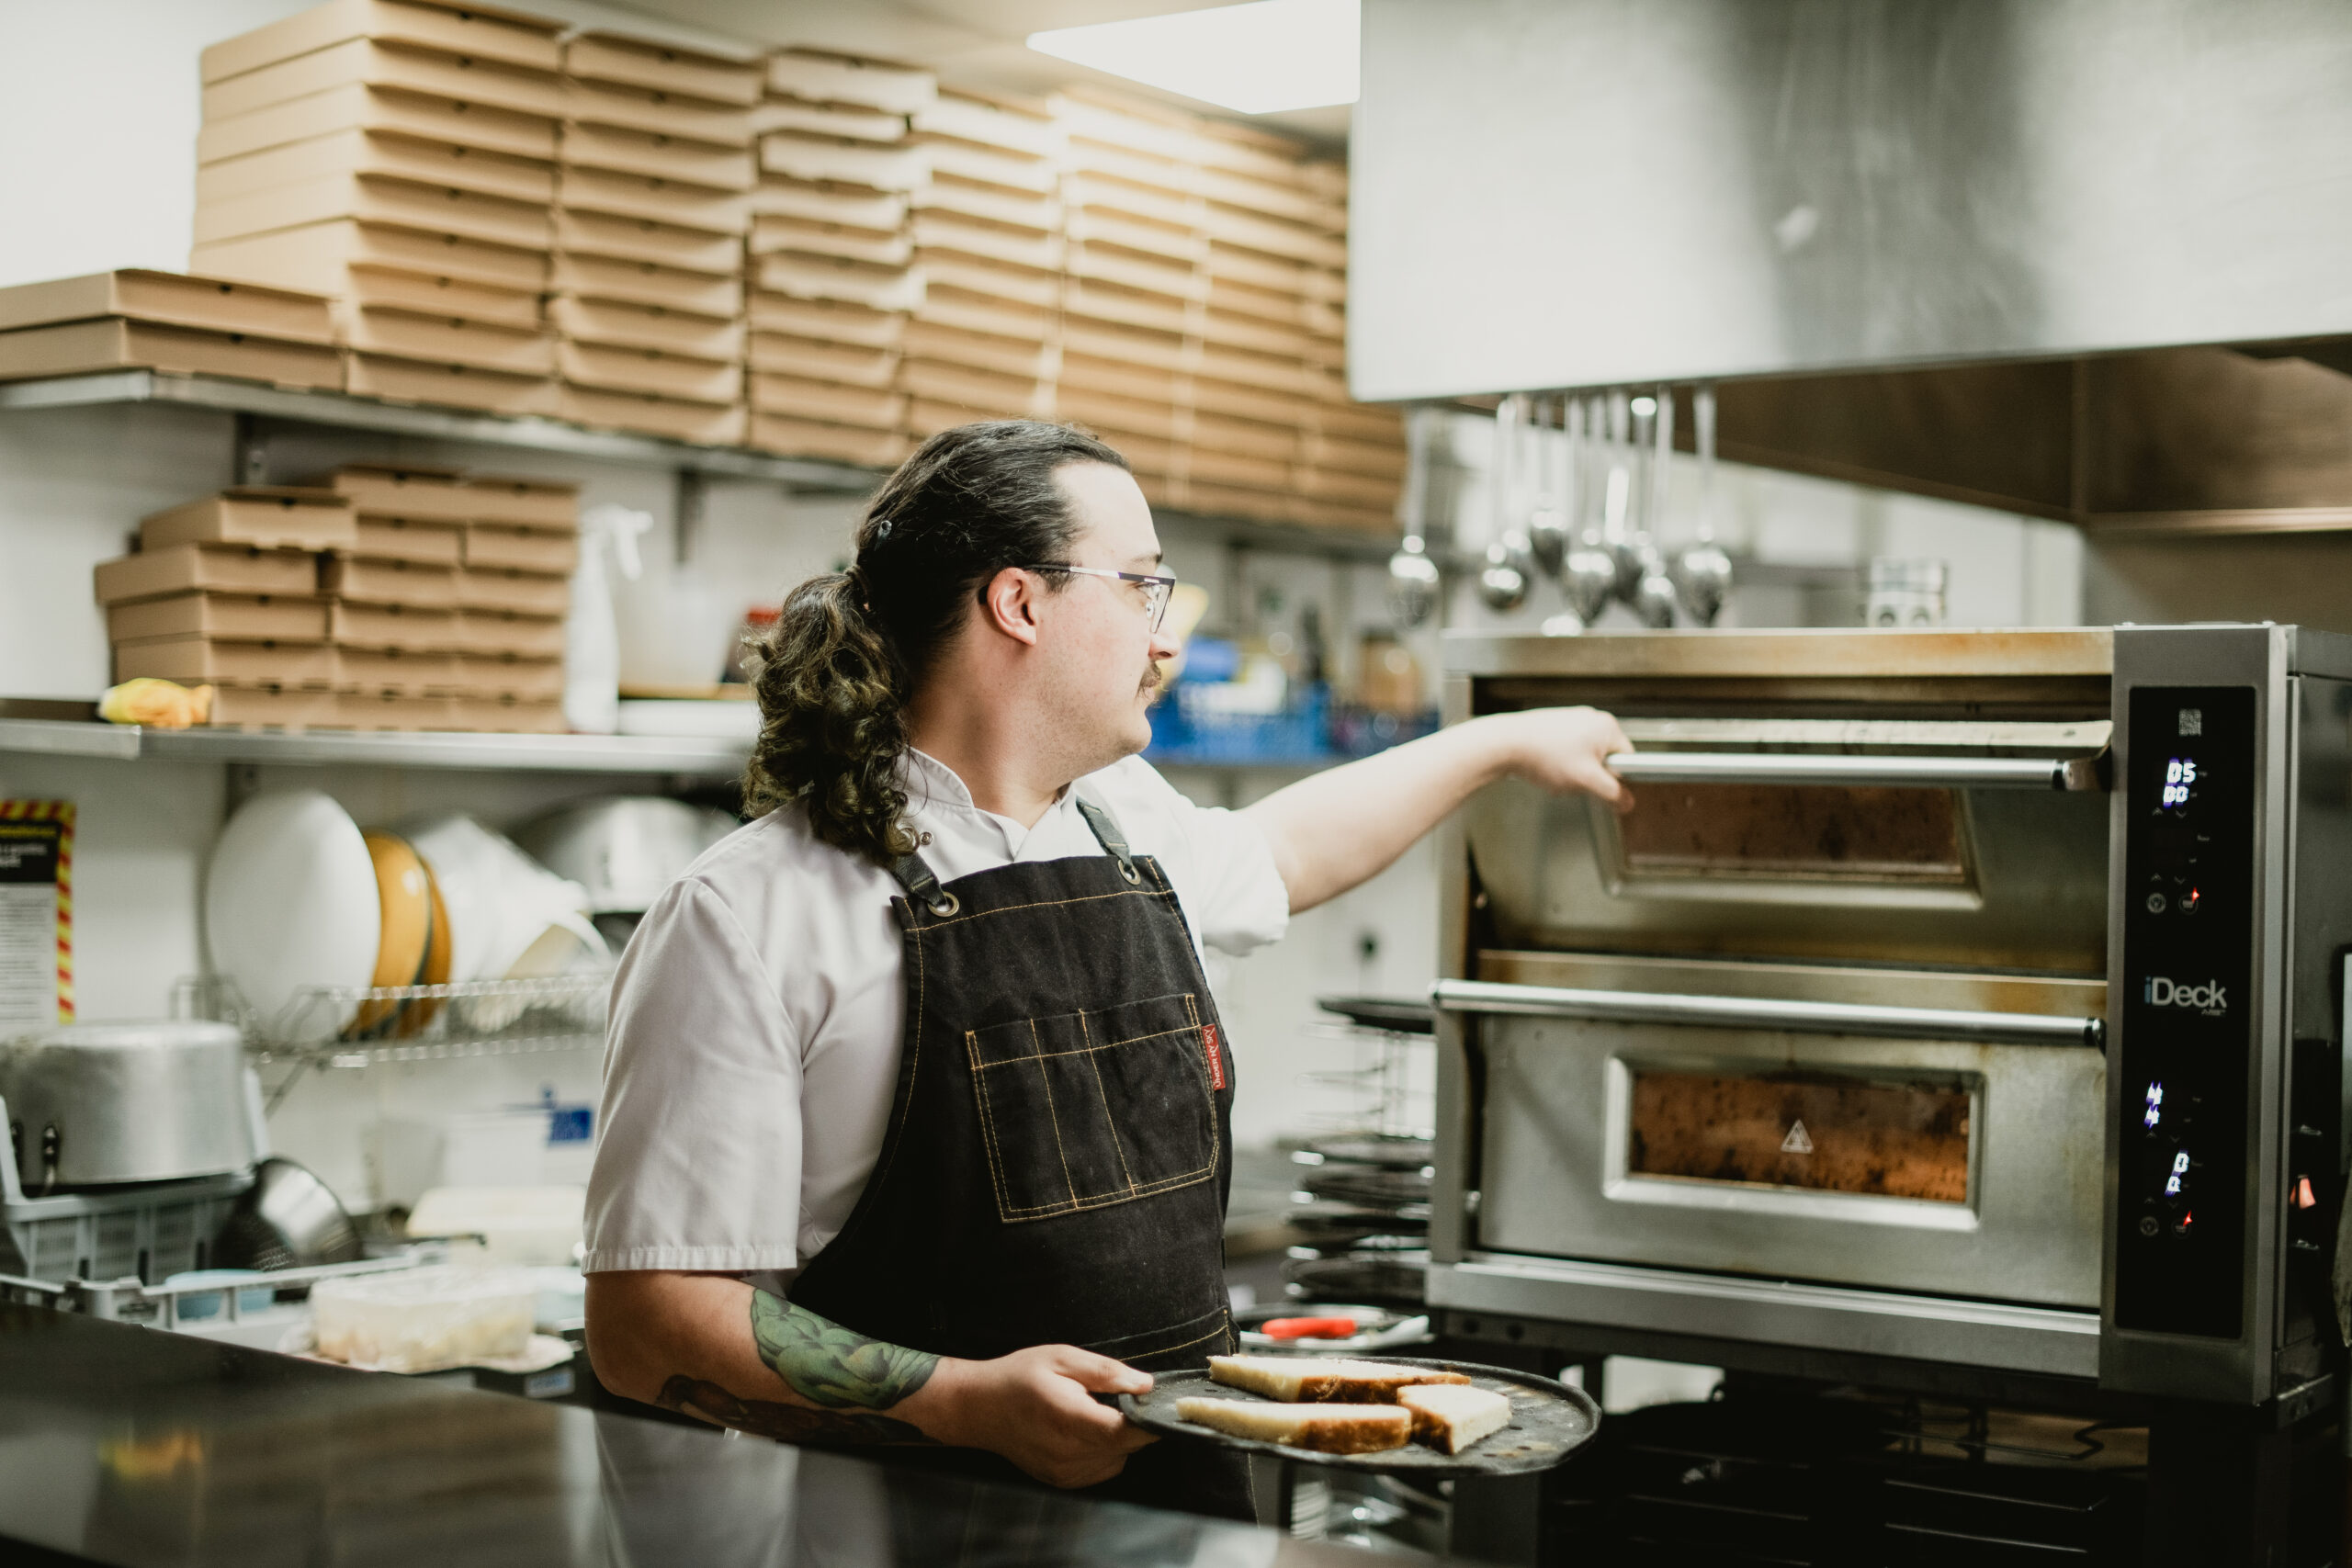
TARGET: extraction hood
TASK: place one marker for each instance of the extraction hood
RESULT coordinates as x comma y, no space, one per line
2081,259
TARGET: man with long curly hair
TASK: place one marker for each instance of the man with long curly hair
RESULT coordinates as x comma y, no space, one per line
916,1117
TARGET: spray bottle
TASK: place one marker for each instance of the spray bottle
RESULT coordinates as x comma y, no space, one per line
592,638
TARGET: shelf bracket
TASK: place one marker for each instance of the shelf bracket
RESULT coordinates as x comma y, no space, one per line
691,498
249,456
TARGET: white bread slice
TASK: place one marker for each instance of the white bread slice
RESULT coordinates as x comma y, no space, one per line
1322,1380
1357,1429
1449,1417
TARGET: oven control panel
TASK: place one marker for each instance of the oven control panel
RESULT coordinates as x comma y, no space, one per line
2189,926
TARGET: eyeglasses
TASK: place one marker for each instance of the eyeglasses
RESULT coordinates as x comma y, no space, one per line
1156,590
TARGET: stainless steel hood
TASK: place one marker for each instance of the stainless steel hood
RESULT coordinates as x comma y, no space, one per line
1572,192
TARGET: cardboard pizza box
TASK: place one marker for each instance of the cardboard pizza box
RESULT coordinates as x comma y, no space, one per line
645,239
451,340
663,68
116,344
402,538
195,659
376,671
628,151
524,503
429,161
255,515
621,324
658,198
418,630
355,106
220,569
874,408
500,633
390,582
499,546
649,370
400,380
291,617
711,425
840,443
461,78
517,679
372,199
171,299
323,256
510,38
504,588
247,706
646,283
659,113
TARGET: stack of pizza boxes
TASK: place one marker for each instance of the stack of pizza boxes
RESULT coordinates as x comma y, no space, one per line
398,155
1203,326
652,208
985,342
168,321
831,257
445,611
224,591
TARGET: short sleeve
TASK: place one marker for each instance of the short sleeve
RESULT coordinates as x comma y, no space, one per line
1222,867
699,1135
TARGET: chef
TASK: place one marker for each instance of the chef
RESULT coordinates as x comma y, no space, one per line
916,1127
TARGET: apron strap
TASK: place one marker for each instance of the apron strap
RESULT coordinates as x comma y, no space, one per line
915,875
1107,833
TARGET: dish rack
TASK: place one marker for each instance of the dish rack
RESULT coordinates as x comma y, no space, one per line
356,1026
1361,1207
214,1308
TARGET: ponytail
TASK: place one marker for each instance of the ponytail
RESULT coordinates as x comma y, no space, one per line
832,721
835,675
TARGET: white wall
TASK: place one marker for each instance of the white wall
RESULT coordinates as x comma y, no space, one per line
99,105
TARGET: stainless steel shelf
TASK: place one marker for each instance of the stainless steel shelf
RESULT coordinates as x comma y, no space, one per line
294,407
529,753
805,474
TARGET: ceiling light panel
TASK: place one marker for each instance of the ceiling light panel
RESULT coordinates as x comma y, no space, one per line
1259,58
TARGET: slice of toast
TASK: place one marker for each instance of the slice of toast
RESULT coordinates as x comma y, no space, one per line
1357,1429
1449,1417
1322,1380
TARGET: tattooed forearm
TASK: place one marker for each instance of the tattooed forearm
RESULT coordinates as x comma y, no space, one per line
833,1366
786,1422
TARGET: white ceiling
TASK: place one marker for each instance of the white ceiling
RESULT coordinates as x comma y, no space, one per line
976,42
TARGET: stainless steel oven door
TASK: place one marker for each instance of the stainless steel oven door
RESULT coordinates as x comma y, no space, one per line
1790,1123
1898,842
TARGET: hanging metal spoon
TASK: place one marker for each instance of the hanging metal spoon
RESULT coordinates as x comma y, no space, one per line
1705,570
1508,573
1548,526
1412,576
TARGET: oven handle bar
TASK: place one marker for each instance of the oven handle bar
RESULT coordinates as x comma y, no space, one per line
1760,1012
1814,768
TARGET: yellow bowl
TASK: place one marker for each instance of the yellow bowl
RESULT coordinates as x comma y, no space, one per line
406,899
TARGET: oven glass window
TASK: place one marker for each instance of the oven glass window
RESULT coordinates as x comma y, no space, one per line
1794,833
1885,1140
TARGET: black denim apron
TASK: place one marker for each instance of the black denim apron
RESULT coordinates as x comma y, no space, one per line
1059,1150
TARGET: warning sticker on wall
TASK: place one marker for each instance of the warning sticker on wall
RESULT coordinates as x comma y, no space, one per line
36,915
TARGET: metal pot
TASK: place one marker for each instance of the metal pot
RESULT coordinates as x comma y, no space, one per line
93,1104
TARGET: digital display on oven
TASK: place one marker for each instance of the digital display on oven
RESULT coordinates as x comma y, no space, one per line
2188,955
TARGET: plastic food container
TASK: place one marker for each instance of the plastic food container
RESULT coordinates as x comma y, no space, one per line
423,1320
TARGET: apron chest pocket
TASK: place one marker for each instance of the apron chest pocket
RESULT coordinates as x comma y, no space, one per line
1085,1110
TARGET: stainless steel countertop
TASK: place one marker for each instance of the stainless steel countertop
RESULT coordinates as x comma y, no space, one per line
130,1446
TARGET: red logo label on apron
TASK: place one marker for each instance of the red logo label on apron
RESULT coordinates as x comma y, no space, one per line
1217,1057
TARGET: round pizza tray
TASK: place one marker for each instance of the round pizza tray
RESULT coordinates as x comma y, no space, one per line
1549,1422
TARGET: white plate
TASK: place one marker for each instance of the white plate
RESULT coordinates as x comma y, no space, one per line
290,901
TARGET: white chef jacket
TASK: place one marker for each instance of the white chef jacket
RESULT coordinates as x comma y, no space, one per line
752,1051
